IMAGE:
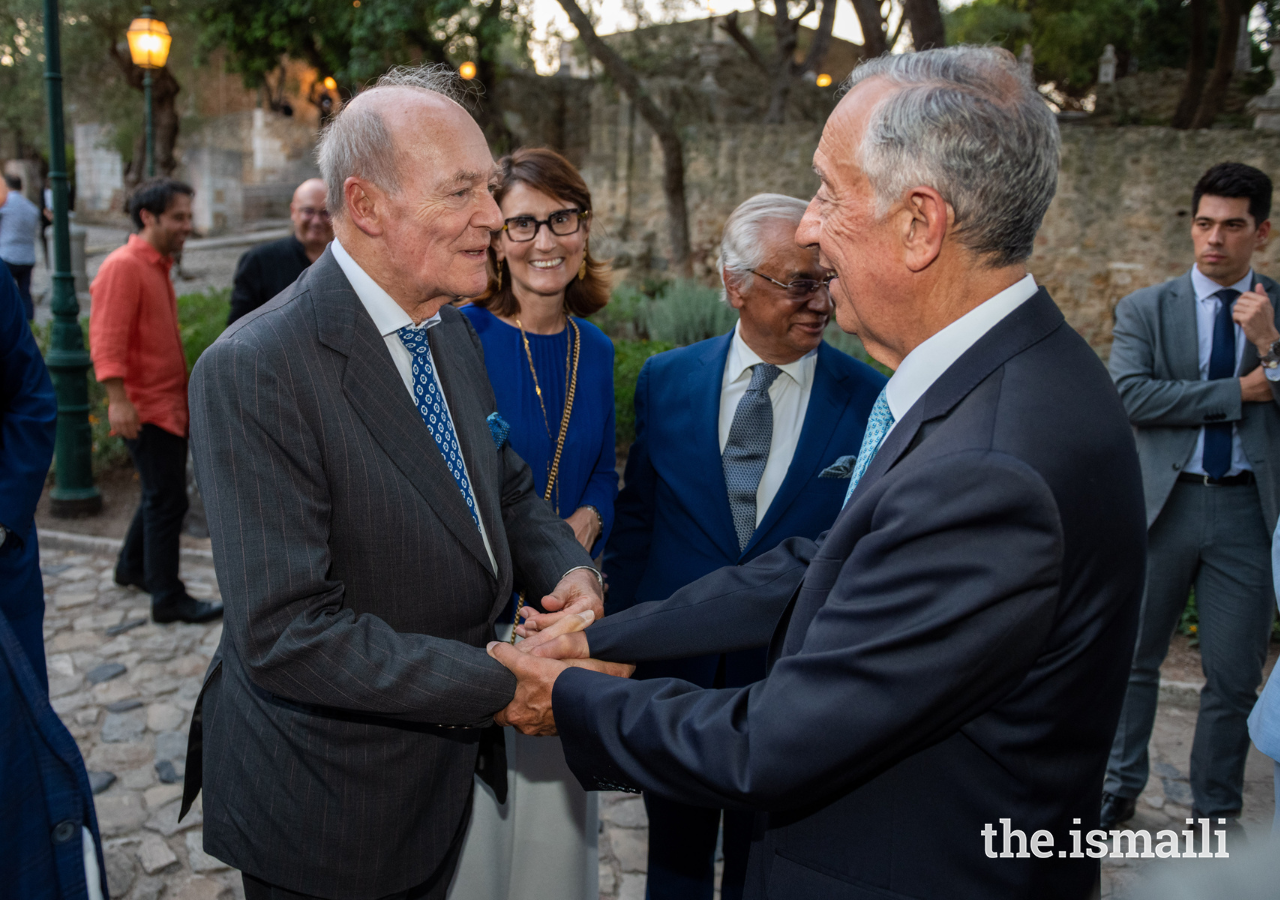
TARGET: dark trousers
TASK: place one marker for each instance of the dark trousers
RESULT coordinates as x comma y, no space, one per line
682,850
434,888
22,275
1215,540
150,551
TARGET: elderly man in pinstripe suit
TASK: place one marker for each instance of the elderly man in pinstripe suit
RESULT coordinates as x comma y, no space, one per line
369,522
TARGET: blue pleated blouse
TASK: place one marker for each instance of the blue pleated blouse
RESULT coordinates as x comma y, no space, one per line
588,473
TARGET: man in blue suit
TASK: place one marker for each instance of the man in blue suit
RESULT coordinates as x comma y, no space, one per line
947,662
741,442
49,849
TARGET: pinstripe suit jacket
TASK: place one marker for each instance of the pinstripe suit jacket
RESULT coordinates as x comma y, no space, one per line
358,593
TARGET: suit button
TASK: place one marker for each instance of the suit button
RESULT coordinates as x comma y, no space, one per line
64,831
1177,466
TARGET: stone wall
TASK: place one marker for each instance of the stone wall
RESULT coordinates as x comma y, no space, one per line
1120,220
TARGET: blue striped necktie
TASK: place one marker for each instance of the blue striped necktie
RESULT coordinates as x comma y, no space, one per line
878,425
435,413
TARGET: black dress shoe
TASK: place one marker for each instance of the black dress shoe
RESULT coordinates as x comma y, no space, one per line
124,579
1116,810
186,609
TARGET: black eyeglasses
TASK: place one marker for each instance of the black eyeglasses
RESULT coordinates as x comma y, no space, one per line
801,288
562,223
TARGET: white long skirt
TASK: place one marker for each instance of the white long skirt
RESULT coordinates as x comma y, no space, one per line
539,845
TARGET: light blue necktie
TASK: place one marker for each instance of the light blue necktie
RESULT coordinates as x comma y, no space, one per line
878,425
435,413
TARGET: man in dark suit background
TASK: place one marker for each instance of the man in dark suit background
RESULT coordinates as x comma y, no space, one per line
267,269
368,526
953,652
1196,363
741,441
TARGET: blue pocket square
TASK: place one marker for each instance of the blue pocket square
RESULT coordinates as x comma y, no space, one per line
841,468
499,428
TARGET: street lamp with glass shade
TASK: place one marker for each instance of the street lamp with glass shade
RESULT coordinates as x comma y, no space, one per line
149,41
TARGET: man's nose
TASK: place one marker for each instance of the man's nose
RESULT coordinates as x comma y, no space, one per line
489,215
820,301
810,228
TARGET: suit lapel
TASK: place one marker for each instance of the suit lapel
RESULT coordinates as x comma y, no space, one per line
1180,331
828,402
704,413
378,395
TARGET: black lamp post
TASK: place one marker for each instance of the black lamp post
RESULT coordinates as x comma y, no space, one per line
149,41
75,493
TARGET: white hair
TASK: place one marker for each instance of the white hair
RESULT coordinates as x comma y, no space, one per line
968,122
741,248
357,141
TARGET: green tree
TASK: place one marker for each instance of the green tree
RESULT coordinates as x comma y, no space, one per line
354,43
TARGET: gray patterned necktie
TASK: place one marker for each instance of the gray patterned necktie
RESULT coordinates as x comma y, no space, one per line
747,450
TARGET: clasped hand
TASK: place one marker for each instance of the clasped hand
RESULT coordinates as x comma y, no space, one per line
538,661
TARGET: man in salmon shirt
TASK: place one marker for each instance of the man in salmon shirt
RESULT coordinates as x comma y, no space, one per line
138,358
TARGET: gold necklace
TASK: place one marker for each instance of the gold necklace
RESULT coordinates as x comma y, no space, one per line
571,379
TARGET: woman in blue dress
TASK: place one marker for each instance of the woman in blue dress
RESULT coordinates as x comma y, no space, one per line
552,373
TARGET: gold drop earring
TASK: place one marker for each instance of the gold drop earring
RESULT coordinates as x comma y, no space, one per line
582,267
499,287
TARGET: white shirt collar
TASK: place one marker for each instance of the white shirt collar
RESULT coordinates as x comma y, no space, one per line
388,315
1205,287
742,358
926,363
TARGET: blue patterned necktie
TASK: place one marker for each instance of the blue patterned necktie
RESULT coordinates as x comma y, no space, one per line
435,413
878,425
747,450
1222,364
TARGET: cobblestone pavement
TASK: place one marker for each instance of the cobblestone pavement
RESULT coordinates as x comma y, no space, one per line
125,688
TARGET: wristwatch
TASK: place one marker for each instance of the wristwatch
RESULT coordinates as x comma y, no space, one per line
1271,358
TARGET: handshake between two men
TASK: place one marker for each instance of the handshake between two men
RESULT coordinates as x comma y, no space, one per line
552,643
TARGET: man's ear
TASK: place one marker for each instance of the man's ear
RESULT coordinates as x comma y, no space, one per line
732,292
365,204
1264,233
924,219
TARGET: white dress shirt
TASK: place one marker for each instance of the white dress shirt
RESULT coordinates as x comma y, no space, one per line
389,317
925,364
1207,306
789,396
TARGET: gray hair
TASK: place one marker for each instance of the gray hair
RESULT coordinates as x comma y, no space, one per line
357,141
741,249
968,122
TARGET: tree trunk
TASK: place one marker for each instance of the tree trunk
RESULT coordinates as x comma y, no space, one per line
164,117
822,38
1196,68
1224,64
927,29
668,137
874,41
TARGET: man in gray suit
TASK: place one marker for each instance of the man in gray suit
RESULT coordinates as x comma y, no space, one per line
1195,360
369,521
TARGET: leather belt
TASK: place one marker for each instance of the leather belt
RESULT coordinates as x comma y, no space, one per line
1244,478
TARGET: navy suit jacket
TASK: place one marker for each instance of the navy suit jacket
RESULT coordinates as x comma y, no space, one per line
954,651
673,523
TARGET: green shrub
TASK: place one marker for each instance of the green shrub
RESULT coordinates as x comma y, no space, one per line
627,315
201,318
628,358
685,312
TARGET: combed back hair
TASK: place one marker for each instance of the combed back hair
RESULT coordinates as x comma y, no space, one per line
741,247
969,123
155,195
357,142
1231,179
550,173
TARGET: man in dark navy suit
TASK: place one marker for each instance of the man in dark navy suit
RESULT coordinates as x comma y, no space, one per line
741,441
946,663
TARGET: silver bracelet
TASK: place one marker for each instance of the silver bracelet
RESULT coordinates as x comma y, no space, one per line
599,518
